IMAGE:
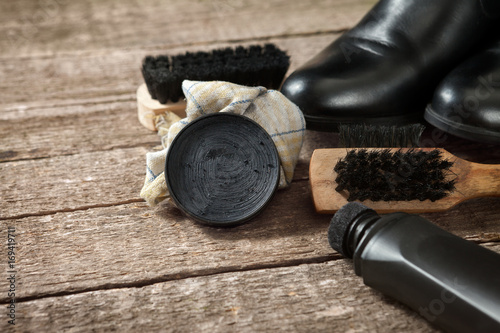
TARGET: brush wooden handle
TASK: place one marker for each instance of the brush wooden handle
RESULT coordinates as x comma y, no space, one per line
475,180
148,108
472,180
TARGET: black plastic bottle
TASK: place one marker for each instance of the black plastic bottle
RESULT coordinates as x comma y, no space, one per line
451,282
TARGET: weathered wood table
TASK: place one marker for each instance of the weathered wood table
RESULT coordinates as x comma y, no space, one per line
90,255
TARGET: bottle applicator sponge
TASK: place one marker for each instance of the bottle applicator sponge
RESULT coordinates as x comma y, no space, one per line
342,222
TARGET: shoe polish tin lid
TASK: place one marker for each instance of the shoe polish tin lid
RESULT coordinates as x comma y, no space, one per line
222,169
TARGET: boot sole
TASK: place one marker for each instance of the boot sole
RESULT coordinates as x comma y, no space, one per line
330,124
460,129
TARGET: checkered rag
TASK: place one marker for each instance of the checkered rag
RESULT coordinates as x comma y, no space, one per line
282,119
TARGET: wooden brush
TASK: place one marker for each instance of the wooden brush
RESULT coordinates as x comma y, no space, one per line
161,93
462,180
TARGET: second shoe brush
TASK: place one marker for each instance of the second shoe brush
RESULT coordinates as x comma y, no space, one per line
253,65
413,180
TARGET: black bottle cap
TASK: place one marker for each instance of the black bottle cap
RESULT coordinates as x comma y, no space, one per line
222,169
341,223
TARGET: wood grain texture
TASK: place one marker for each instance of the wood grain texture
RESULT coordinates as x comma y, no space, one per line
92,164
97,127
133,245
42,28
130,244
42,186
324,297
60,119
82,179
92,256
38,84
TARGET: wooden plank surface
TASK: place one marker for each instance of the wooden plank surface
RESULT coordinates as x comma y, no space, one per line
63,118
323,297
76,80
92,256
282,299
98,127
42,28
129,244
103,177
42,186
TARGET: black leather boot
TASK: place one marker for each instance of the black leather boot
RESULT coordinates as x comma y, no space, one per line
385,69
467,102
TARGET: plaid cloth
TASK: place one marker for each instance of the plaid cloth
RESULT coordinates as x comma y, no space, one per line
282,119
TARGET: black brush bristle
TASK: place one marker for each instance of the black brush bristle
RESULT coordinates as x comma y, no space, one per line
252,66
382,175
366,136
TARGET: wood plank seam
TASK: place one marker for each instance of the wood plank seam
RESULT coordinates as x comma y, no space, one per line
125,97
85,207
178,277
70,210
78,53
143,144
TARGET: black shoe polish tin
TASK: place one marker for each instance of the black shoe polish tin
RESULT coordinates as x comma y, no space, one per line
222,169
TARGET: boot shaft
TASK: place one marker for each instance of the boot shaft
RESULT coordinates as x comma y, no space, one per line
491,7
